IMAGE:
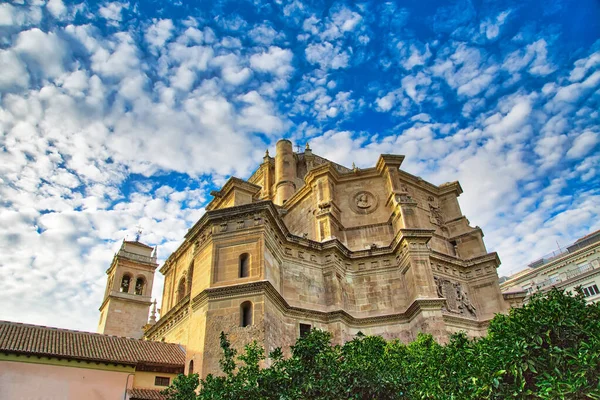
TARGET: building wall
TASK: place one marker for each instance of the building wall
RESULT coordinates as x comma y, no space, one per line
127,318
147,380
434,276
579,267
49,379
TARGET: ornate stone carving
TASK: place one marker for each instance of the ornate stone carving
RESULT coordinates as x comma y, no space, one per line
457,299
363,202
435,214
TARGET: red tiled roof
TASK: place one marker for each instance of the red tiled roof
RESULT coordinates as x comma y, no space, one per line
54,342
145,394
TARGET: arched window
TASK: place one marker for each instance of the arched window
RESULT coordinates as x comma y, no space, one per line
246,314
191,367
181,290
125,282
190,277
139,286
244,265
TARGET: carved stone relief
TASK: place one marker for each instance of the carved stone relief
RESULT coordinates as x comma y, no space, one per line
436,216
457,299
363,202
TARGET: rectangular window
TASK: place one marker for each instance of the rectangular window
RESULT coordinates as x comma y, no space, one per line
591,291
304,329
162,381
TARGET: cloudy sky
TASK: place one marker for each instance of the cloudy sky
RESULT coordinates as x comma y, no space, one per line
115,115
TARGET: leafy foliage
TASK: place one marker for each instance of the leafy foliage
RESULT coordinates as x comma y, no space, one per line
549,349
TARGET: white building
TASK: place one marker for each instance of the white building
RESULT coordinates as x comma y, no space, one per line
577,265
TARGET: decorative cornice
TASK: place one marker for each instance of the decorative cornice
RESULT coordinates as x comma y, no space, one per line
472,231
228,187
454,320
132,298
392,160
326,317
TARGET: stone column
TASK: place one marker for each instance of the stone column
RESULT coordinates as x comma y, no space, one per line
328,213
285,172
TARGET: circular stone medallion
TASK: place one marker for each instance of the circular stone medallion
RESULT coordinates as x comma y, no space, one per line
363,202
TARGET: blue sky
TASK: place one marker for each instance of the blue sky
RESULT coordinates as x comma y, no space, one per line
115,115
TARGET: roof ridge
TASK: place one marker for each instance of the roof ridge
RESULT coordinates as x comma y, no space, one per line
72,330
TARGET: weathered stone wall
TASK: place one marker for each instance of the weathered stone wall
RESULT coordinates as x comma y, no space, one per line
127,318
300,219
224,316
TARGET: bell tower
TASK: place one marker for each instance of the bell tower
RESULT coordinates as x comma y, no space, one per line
127,299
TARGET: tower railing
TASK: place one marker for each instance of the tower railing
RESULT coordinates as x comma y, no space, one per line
137,257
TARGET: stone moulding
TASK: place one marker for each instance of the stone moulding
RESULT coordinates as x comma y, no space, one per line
326,317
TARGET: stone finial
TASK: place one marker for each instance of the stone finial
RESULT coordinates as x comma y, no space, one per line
354,168
153,314
307,150
266,157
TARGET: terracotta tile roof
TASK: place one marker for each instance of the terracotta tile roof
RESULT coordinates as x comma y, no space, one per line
54,342
145,394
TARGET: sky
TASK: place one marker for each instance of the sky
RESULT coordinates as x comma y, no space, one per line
119,116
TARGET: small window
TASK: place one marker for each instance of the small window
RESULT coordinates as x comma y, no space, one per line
162,381
244,265
139,286
245,314
125,282
305,329
591,291
191,367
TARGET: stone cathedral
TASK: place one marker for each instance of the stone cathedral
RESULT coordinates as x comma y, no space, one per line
307,243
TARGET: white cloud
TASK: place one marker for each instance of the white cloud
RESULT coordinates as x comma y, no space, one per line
44,53
416,57
159,33
534,56
276,60
14,72
583,144
583,66
491,27
231,69
327,56
113,11
511,122
265,34
341,21
56,8
386,102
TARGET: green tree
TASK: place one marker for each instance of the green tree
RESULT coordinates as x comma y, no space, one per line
549,349
183,387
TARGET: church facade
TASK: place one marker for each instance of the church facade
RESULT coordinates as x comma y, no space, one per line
307,243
